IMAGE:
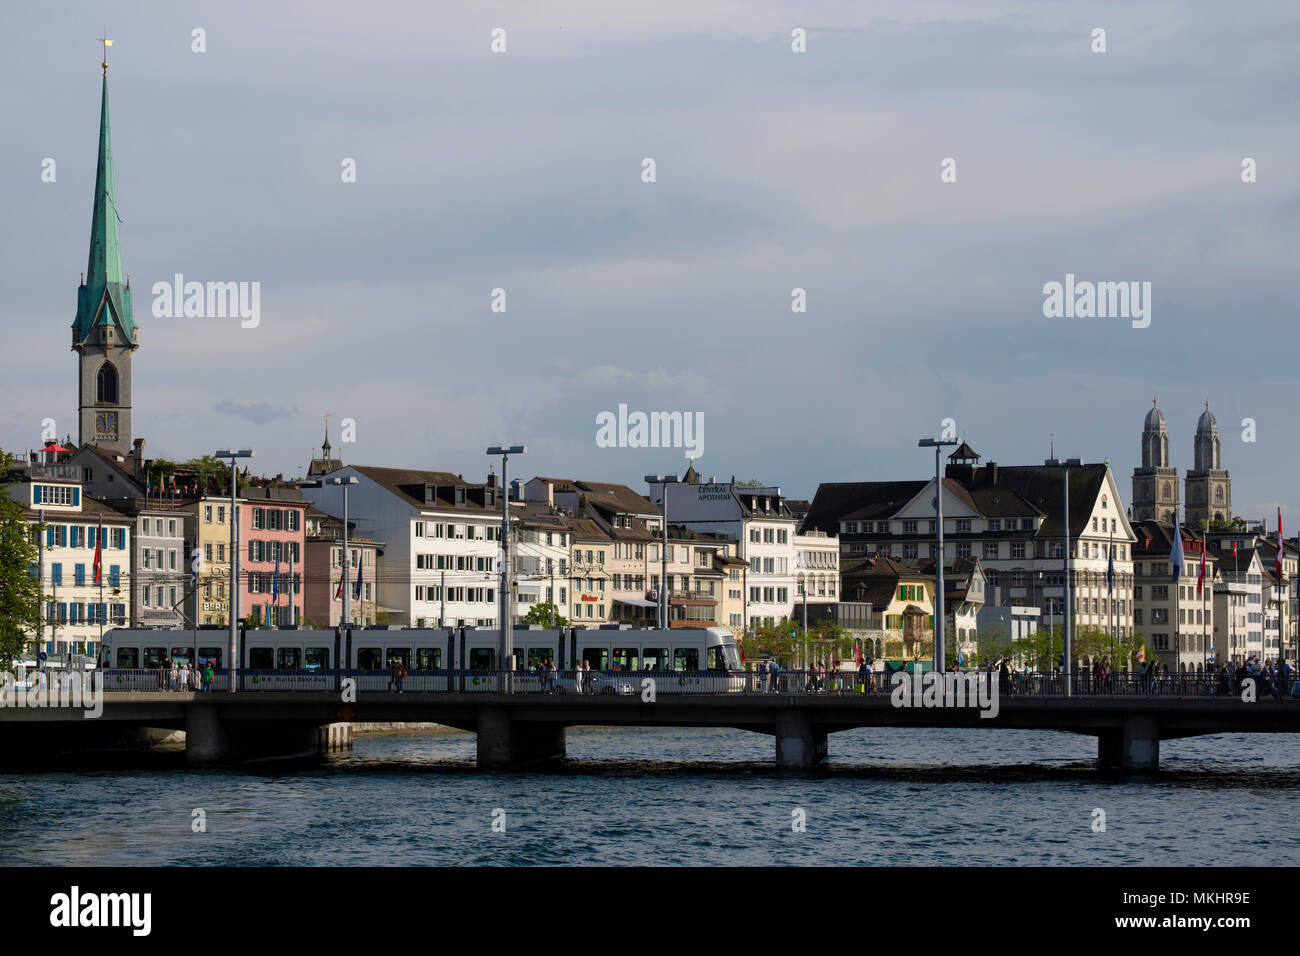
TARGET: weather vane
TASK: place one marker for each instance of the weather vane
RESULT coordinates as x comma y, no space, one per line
107,43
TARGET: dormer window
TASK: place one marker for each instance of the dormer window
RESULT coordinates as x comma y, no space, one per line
460,494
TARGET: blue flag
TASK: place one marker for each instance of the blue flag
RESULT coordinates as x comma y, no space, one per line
961,661
275,581
1176,553
356,595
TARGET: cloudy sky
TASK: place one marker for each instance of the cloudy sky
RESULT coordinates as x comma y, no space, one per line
775,170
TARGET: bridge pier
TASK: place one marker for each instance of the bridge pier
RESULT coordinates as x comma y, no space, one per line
209,739
799,746
504,744
1135,746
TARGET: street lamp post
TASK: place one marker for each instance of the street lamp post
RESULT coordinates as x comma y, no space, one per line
234,456
666,480
506,644
937,444
347,590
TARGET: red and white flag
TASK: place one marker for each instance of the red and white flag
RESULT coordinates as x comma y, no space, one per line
1200,580
99,540
338,595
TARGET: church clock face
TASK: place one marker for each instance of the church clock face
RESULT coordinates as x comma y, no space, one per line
106,425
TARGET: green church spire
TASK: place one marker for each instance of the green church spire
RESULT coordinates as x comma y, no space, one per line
104,298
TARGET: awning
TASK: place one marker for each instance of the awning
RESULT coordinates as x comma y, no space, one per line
635,602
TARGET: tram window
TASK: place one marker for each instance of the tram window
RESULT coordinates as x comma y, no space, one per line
482,659
128,658
686,659
428,658
289,659
399,655
153,656
181,655
655,659
625,658
538,654
210,655
716,661
369,659
316,658
261,658
597,657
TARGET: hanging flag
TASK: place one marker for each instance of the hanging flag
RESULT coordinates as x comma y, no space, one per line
1176,554
1278,562
1142,653
1234,550
961,660
857,654
1110,572
338,594
275,580
356,595
1214,651
99,554
1200,579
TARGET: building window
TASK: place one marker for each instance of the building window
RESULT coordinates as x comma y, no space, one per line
106,385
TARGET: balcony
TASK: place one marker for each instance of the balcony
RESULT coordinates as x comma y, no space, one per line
676,596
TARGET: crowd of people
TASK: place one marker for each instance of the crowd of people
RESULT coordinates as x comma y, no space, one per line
182,676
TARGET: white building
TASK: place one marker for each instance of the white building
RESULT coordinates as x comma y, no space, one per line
1012,518
442,534
76,608
756,518
816,567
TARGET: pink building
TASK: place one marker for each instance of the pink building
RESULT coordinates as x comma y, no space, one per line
272,529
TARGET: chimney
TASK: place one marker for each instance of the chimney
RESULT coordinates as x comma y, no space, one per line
993,472
138,454
492,479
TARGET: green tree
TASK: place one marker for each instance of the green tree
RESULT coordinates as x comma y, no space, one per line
546,614
20,588
778,641
993,643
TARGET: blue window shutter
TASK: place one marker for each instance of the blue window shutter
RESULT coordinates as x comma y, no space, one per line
49,536
36,494
76,496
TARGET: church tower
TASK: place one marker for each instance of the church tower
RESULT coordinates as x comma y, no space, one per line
1209,488
104,333
1155,484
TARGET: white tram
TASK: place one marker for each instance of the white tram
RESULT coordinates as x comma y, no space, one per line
677,660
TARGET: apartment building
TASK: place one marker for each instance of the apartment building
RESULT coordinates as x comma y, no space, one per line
442,548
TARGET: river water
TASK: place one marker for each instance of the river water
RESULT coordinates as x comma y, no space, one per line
667,796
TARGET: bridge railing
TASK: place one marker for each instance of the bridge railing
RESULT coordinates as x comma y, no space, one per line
746,682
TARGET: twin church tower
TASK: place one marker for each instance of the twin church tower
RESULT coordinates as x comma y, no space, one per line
104,333
1155,483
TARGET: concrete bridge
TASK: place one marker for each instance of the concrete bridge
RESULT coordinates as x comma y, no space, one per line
524,728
